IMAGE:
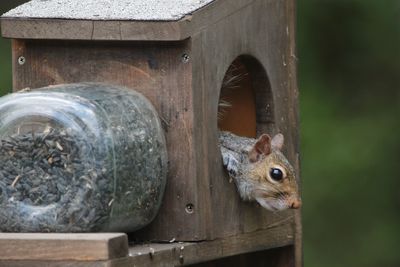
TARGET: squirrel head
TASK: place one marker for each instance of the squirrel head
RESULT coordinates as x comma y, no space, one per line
272,176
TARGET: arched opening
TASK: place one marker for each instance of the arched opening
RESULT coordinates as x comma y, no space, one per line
245,103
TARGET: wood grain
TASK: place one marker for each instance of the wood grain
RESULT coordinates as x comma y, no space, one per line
124,262
187,253
264,57
186,94
126,30
158,72
175,254
63,29
63,247
277,257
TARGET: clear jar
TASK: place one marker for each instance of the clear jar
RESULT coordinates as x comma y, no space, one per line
80,158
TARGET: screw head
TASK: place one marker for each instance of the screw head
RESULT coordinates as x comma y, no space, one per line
21,60
189,208
185,58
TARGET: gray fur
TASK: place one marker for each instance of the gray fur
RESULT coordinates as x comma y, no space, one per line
252,178
234,151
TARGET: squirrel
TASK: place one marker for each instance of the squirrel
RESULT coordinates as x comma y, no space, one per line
260,171
257,166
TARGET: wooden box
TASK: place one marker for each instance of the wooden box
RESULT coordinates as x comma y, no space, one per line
179,61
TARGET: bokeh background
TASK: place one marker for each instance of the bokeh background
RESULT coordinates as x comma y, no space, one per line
349,79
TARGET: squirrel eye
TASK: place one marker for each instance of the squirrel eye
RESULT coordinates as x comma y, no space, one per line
276,174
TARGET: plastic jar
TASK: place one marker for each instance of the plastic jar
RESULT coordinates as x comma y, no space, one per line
80,158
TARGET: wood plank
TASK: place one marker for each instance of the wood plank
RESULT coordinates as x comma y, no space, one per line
121,262
277,257
90,30
187,253
151,254
42,263
154,69
294,115
264,57
127,30
63,247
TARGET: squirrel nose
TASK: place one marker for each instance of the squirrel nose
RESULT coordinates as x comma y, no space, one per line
295,204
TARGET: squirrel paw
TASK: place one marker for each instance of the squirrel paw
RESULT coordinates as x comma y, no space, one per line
231,164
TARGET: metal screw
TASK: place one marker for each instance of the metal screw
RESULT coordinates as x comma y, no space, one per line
185,58
21,60
181,258
189,208
151,253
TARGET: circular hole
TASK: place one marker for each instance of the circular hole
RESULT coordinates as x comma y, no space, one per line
189,208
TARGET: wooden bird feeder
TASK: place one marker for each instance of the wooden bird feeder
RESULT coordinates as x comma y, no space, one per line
177,54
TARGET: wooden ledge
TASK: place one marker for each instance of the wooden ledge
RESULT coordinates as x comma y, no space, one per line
63,250
187,253
62,247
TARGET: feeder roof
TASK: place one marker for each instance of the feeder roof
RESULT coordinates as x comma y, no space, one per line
142,10
120,20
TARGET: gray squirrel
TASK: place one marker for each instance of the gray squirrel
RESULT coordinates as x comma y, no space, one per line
260,171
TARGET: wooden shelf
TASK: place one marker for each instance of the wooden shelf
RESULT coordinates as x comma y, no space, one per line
100,249
187,253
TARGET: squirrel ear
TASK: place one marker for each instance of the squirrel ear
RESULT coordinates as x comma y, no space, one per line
277,141
261,147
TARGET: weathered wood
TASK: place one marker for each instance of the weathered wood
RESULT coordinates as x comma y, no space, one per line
263,56
158,71
293,113
124,262
128,30
63,247
91,30
187,253
183,253
277,257
154,69
183,80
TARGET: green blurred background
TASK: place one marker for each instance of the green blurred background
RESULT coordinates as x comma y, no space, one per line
349,79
